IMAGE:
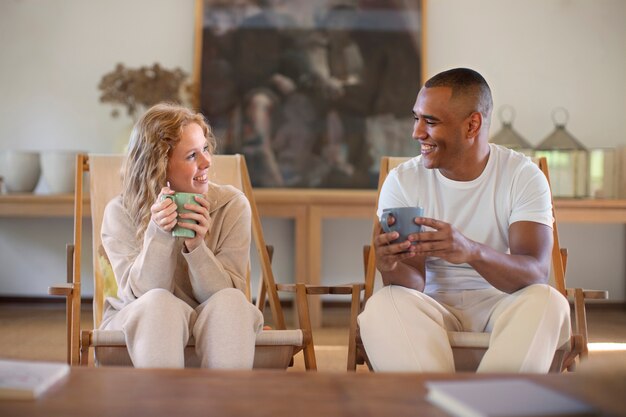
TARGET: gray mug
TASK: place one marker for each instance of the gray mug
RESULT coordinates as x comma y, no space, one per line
404,221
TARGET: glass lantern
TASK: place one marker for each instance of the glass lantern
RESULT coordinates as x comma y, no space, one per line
507,136
603,173
620,152
567,159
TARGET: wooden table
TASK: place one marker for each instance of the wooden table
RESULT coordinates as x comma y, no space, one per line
309,208
196,392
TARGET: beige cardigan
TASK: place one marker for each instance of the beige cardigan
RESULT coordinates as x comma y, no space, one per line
159,261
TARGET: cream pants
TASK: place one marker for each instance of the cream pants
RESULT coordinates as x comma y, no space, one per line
158,325
405,330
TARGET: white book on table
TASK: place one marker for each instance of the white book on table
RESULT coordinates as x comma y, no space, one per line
503,397
24,380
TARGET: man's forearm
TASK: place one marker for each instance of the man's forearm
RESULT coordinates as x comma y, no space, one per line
507,272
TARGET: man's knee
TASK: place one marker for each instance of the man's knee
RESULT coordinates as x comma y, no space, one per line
545,294
389,303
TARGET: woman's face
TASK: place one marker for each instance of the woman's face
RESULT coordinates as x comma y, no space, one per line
189,162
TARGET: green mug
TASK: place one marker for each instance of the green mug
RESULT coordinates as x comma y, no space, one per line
180,199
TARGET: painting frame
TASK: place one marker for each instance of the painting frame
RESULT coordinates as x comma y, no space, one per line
319,132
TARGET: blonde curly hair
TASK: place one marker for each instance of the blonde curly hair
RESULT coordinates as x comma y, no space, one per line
152,140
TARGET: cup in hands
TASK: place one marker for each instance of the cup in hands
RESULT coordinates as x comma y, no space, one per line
404,221
180,199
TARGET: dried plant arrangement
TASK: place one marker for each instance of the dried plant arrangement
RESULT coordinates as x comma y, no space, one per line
137,89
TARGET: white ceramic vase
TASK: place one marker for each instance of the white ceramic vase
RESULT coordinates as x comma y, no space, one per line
57,170
20,170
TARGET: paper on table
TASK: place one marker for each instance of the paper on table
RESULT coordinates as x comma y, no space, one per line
502,397
23,380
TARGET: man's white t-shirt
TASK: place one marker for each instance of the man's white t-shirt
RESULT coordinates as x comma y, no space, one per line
510,189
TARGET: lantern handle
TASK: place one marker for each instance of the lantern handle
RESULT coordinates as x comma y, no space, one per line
507,121
560,111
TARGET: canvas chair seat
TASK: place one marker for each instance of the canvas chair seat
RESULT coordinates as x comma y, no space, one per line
273,348
110,348
481,340
468,349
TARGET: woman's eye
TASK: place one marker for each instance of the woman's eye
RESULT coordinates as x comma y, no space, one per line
206,149
191,156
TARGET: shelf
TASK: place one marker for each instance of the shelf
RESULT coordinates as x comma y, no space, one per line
308,208
278,202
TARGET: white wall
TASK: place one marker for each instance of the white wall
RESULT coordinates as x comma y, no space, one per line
536,55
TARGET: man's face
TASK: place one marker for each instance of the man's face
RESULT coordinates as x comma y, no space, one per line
439,126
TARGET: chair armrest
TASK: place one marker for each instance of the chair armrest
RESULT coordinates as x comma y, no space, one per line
64,290
345,289
67,288
589,294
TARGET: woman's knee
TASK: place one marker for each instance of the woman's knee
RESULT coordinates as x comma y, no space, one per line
227,302
158,297
229,297
161,304
227,305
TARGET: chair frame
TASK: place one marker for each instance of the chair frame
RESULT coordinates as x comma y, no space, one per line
79,343
563,360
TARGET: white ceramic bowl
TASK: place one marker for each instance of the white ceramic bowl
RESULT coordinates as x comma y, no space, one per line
20,170
57,170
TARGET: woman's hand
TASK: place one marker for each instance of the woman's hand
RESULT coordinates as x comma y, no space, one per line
199,213
164,211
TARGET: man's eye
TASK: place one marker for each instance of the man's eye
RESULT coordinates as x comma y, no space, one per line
430,122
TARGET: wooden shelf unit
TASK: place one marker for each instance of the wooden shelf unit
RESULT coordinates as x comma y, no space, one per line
308,208
273,201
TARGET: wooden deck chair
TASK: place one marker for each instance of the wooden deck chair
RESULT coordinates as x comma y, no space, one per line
469,347
274,348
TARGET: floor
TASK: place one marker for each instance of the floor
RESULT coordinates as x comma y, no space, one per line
37,332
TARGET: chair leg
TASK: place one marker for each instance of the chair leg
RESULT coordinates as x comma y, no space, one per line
305,324
85,342
355,307
261,294
581,320
75,306
69,258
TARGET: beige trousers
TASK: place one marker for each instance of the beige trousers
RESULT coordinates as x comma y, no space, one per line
405,330
158,325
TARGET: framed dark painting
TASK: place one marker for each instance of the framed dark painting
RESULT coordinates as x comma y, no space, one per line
311,92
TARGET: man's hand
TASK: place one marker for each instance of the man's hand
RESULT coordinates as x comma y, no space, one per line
388,253
444,242
398,262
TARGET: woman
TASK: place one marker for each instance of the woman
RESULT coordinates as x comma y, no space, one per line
170,289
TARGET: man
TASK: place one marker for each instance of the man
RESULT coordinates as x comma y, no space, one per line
482,260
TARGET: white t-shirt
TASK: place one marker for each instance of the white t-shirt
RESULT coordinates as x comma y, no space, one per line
510,189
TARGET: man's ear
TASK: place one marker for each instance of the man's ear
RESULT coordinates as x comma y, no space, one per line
474,125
